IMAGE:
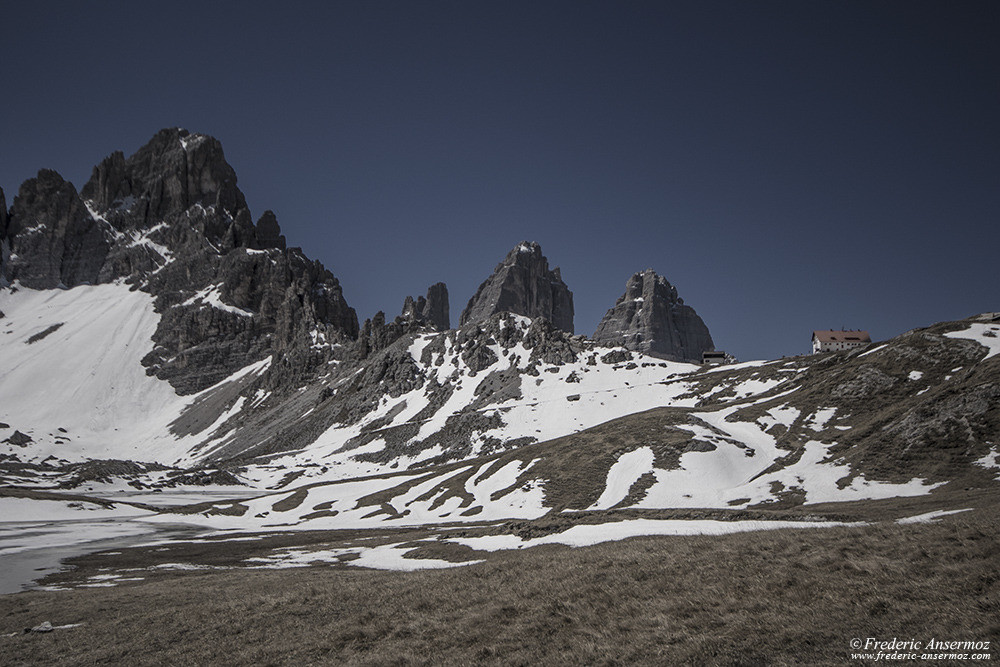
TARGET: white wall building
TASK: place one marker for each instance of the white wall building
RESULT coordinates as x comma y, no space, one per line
839,341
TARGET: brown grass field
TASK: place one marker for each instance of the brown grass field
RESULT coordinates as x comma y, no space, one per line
786,597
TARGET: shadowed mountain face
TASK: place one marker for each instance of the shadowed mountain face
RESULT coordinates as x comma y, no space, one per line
171,221
651,318
53,239
523,284
173,172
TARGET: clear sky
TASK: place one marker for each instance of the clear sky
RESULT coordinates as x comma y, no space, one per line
788,166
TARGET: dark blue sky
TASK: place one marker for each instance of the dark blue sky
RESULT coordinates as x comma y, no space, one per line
787,165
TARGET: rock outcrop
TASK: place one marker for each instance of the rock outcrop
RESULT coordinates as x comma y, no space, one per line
3,216
431,310
268,233
53,239
422,314
651,318
173,172
523,284
4,245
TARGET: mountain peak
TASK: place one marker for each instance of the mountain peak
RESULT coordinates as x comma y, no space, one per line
651,318
523,284
172,172
170,220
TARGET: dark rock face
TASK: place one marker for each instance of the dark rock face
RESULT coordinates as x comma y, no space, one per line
4,245
3,216
172,222
173,172
651,318
431,310
523,284
51,237
268,233
250,304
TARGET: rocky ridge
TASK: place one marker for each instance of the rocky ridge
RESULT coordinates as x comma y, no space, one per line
280,384
651,318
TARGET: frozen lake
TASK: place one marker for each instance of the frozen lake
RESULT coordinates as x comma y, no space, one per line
36,536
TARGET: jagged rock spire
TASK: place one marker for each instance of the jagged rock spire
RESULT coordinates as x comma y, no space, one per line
268,233
523,284
651,318
54,238
431,310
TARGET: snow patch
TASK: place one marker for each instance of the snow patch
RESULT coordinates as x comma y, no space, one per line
587,535
625,472
931,517
987,335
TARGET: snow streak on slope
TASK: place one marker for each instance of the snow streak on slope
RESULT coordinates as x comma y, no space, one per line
463,494
587,535
623,474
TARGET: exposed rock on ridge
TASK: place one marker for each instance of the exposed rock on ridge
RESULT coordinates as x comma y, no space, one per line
428,313
523,284
173,172
431,310
4,245
651,318
3,216
52,238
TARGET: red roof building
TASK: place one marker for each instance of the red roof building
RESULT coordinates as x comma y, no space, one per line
838,341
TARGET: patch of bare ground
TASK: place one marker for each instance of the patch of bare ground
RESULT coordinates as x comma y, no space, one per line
776,597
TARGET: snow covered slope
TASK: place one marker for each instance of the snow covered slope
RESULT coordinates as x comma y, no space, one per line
73,384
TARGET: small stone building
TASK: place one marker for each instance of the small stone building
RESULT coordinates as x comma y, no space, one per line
838,341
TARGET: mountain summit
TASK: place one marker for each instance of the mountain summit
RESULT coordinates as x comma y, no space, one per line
171,221
523,284
651,318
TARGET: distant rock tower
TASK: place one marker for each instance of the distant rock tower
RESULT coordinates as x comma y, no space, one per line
651,318
523,284
431,310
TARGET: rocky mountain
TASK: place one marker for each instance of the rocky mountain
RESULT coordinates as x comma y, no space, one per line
651,318
523,284
192,344
53,239
171,221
